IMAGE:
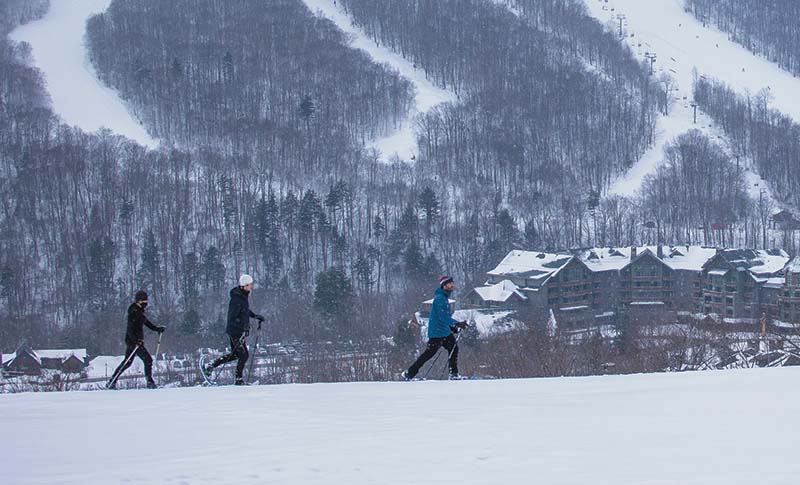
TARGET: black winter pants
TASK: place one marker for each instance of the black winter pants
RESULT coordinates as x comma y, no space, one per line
449,343
238,351
127,361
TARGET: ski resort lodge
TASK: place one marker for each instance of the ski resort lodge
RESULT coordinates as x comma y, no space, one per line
651,283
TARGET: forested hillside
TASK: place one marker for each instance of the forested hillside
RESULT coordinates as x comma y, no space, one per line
765,27
265,110
758,132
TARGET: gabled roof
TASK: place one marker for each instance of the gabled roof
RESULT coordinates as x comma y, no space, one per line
690,258
646,253
529,264
38,355
62,354
500,292
793,266
758,262
7,361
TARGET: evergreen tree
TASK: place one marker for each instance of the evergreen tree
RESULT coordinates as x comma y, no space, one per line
414,262
150,265
190,323
213,271
100,274
333,294
429,204
190,279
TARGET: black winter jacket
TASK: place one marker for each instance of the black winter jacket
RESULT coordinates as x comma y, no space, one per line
239,313
136,322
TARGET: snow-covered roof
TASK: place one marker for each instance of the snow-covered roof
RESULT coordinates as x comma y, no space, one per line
538,265
530,264
757,261
774,283
794,265
605,259
690,258
499,292
646,303
61,354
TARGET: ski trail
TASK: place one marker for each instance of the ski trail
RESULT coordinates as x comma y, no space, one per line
683,49
403,142
78,96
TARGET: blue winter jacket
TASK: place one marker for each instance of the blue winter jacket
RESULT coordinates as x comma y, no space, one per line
239,313
441,319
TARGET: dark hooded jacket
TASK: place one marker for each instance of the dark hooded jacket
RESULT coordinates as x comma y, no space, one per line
136,322
239,313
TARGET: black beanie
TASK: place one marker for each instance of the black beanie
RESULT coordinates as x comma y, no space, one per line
141,295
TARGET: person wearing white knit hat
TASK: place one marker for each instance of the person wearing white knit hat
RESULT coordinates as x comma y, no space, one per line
239,315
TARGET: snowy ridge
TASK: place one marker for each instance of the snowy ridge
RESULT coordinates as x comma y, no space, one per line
680,428
683,49
78,96
402,143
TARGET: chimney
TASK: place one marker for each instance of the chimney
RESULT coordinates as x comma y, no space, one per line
660,252
633,251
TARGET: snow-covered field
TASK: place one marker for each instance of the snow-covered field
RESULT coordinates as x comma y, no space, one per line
403,142
78,96
704,428
685,49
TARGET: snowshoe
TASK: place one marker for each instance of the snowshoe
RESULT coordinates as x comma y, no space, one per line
206,371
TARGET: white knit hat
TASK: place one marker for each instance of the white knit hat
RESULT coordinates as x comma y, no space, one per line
245,280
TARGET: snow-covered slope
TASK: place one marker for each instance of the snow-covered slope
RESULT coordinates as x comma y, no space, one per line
704,428
683,49
403,142
78,97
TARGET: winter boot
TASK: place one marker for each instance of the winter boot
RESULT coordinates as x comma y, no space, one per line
240,382
208,370
404,375
151,384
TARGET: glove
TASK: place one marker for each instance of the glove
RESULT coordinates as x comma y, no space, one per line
161,329
260,318
140,343
462,325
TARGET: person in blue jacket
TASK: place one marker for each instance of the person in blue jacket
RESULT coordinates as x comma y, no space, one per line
239,315
441,328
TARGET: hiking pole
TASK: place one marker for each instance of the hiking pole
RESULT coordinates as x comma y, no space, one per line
450,354
117,373
158,346
255,352
433,364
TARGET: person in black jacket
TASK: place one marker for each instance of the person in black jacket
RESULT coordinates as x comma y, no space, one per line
134,341
239,315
